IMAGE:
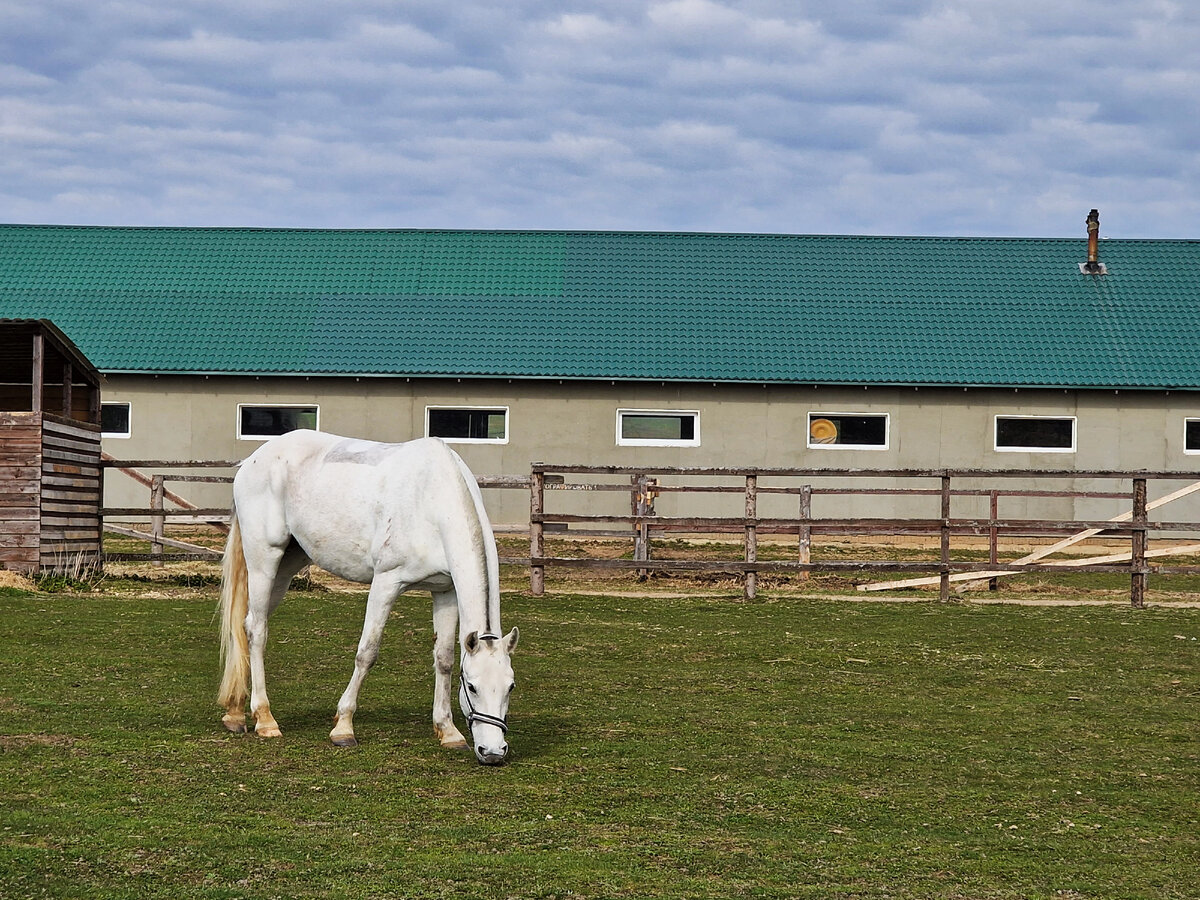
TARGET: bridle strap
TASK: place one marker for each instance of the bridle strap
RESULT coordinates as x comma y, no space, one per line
473,716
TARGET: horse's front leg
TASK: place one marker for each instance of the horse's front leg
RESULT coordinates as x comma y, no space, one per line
445,624
380,598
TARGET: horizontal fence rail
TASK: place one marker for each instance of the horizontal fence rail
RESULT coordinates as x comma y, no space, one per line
643,484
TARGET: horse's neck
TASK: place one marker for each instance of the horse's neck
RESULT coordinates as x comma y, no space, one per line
471,552
478,600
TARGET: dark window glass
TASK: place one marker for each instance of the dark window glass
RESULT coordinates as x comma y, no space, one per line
114,418
269,421
658,427
1035,434
468,424
1191,438
859,431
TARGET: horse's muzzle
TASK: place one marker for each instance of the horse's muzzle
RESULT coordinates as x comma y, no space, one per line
491,756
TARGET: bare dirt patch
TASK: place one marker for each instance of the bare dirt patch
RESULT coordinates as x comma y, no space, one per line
11,742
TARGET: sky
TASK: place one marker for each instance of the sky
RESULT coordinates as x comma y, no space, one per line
980,117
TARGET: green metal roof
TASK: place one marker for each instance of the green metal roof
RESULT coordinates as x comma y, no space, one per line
614,305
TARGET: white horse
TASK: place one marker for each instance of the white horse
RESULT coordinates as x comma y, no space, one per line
396,516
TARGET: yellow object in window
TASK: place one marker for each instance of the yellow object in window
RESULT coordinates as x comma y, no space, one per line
822,431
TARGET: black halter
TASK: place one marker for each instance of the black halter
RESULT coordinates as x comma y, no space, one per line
472,715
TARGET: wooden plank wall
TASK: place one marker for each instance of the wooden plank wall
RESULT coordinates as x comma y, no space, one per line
20,489
71,490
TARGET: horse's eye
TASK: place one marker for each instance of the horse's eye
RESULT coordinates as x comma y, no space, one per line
471,688
511,688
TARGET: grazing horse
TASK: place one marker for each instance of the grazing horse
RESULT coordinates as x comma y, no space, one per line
396,516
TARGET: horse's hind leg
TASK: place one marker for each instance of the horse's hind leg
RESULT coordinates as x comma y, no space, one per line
445,623
267,583
383,593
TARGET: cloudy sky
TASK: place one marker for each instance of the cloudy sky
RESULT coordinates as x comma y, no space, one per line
976,117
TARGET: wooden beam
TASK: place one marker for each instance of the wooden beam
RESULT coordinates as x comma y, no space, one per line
1125,556
149,538
94,405
68,376
39,371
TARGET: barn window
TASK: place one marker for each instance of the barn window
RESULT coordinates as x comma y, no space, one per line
1035,434
1191,436
262,422
114,420
658,428
467,425
847,431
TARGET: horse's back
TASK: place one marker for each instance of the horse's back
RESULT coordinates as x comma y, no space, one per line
304,457
354,506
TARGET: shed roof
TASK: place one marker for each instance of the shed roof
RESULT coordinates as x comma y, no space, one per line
614,305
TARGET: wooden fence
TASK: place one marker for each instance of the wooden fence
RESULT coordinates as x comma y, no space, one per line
645,483
158,512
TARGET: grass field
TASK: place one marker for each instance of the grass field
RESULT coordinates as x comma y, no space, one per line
677,746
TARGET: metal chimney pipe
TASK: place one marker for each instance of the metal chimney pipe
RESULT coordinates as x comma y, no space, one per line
1093,228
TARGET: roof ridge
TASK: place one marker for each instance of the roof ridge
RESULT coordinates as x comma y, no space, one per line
267,229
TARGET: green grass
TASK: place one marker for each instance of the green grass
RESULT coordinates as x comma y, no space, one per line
699,747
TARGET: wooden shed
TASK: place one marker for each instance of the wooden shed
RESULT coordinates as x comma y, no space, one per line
50,475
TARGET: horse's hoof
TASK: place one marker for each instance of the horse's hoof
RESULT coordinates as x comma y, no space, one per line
345,741
268,732
449,737
237,726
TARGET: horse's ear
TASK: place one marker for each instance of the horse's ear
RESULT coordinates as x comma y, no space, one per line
471,642
510,641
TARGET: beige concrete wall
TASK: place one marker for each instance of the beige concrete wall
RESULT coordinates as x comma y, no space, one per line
193,417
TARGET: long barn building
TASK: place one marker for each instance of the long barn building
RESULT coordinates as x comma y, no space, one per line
630,348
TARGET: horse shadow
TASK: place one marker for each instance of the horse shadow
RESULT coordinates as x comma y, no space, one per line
536,736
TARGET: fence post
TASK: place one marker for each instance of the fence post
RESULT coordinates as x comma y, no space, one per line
641,506
157,522
805,530
994,537
537,537
751,582
1137,561
944,581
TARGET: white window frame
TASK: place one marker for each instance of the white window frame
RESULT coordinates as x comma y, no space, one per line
267,437
830,414
1074,420
119,435
694,441
467,408
1186,421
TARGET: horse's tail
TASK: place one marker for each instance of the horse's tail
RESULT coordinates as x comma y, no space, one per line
235,649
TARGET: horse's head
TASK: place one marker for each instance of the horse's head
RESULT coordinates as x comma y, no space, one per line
487,686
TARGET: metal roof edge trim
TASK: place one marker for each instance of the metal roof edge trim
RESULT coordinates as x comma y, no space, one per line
947,385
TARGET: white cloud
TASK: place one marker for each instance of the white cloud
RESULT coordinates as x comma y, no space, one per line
994,117
582,28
